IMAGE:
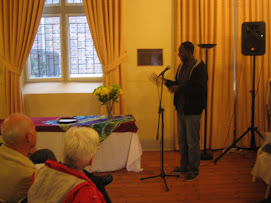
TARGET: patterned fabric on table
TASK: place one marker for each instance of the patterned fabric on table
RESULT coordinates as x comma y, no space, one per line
100,123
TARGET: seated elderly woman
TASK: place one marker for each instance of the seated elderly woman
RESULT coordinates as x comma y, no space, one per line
56,182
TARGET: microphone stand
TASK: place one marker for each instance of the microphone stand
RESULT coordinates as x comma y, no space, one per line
161,114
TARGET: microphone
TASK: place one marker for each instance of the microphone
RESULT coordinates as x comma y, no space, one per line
166,69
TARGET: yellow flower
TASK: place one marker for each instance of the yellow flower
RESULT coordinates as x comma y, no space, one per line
96,92
120,91
108,94
106,91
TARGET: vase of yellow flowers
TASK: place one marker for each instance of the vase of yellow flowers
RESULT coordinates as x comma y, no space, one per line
108,96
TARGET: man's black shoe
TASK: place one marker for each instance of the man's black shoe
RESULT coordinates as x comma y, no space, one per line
100,180
191,176
106,179
180,170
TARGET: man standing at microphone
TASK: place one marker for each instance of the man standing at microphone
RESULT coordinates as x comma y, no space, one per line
190,96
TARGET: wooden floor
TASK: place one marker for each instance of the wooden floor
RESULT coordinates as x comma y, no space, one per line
227,181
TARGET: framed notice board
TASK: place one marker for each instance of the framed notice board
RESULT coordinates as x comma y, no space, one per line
149,57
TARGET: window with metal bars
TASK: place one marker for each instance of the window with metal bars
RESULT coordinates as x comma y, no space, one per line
82,54
63,48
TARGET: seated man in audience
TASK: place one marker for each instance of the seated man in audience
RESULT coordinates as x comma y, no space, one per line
1,140
67,182
16,169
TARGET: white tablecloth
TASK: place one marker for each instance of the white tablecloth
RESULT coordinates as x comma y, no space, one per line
118,151
262,166
268,97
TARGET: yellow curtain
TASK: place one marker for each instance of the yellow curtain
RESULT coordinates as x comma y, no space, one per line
105,19
19,21
203,22
250,11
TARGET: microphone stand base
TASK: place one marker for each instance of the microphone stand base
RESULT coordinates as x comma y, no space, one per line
206,156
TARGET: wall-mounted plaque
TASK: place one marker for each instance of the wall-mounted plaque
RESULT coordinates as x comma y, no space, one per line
150,57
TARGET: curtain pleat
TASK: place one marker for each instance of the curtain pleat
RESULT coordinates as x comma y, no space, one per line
203,22
19,21
105,19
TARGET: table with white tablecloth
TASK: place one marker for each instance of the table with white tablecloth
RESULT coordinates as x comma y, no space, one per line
268,97
262,166
120,150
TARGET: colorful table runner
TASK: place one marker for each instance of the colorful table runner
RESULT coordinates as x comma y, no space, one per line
123,123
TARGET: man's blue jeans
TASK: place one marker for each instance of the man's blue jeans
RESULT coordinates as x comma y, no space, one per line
189,141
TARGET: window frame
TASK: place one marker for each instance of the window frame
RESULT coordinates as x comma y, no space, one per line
56,10
54,5
27,65
72,4
67,70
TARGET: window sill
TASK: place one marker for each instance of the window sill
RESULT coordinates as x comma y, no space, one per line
59,87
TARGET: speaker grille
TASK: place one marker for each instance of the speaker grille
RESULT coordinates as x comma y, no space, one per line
253,38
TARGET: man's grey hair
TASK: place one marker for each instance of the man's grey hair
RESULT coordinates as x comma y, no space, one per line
15,127
80,146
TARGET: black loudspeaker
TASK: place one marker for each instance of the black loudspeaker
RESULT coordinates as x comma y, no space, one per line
253,38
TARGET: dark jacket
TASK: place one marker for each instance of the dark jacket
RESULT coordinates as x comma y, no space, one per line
195,92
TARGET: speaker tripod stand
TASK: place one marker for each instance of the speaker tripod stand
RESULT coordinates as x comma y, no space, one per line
251,129
163,175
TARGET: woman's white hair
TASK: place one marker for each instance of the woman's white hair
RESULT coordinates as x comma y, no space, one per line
80,146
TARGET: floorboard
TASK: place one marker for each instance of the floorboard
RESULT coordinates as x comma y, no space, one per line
229,180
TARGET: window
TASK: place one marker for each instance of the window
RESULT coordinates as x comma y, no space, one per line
75,1
49,2
45,56
83,61
63,48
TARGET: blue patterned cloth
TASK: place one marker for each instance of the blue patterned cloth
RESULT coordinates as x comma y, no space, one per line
100,123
